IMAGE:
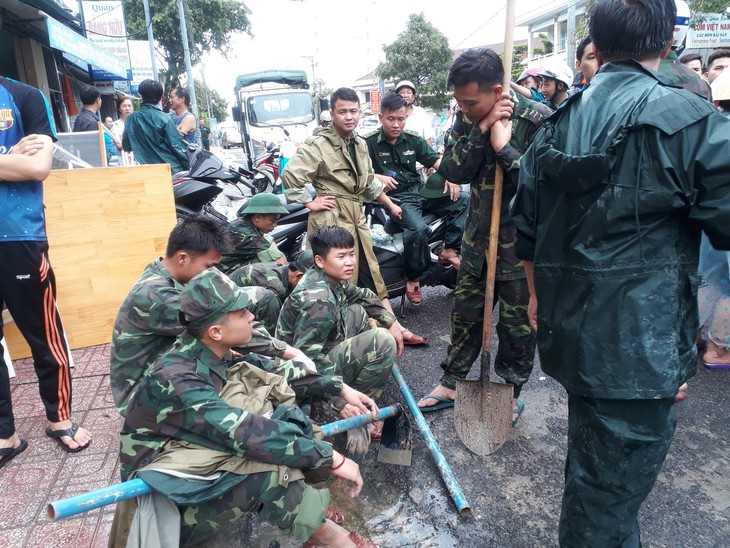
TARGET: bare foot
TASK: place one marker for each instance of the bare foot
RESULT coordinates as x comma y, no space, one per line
440,390
13,441
681,393
83,436
331,534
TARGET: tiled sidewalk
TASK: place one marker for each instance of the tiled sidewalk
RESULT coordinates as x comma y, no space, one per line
45,473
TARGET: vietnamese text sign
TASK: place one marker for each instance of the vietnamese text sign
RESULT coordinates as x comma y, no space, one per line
139,56
375,101
709,30
104,21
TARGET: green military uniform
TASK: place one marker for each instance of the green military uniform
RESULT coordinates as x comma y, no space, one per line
273,278
398,160
205,137
470,158
325,161
329,323
154,139
250,245
613,195
674,73
179,401
148,322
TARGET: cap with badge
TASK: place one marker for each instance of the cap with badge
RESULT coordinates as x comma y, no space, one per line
434,187
211,295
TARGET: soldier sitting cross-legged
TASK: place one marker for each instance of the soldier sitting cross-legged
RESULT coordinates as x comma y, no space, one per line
217,441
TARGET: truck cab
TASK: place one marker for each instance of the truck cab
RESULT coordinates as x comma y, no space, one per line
273,106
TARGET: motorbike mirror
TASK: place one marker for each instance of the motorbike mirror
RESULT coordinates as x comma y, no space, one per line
236,112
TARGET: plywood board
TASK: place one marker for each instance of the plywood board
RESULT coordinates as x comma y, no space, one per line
104,226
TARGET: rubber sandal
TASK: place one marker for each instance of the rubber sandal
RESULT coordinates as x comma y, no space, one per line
414,340
711,365
377,431
414,296
9,453
361,542
71,433
443,403
518,411
335,515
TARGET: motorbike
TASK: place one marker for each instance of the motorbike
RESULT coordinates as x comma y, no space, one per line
265,168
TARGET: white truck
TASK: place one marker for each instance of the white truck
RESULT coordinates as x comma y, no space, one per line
273,106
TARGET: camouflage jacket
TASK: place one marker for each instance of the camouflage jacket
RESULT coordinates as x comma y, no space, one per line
146,326
314,316
470,158
271,275
675,74
179,399
250,245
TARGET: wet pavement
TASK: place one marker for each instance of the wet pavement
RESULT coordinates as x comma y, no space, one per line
514,494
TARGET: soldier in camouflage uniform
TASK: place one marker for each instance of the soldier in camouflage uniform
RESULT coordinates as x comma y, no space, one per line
269,449
148,320
277,280
328,318
478,141
250,234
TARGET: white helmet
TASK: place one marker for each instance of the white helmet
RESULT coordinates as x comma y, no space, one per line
325,116
682,25
561,73
405,84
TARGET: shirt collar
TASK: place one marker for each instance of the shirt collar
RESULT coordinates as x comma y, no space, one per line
204,355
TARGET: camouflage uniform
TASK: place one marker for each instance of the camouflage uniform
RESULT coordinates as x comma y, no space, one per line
470,158
147,324
180,400
674,73
250,245
273,277
400,159
329,323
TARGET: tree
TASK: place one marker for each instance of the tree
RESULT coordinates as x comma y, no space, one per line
210,25
218,104
422,55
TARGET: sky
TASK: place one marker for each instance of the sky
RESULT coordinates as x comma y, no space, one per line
345,39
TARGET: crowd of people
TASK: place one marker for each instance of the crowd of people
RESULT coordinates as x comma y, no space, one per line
608,218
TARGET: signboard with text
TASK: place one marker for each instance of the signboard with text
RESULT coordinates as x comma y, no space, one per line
709,30
375,101
104,21
141,62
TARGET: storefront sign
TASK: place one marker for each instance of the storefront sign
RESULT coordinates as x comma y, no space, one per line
375,101
64,39
139,55
709,30
104,21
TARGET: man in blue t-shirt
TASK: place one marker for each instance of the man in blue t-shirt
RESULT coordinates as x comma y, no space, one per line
27,282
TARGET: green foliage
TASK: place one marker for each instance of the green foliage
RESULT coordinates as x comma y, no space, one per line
707,6
518,58
218,105
422,55
210,25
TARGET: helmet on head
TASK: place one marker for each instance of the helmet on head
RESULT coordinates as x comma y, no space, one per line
681,26
405,84
561,73
325,116
528,72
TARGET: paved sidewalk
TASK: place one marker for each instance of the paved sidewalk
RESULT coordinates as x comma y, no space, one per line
45,473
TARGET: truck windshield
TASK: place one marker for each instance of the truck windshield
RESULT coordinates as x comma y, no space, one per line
280,109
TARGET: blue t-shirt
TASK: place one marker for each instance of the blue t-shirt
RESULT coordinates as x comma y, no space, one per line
177,120
23,111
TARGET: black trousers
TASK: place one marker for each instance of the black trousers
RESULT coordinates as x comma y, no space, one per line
28,291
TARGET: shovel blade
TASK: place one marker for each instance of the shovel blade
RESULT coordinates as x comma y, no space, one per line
483,415
396,442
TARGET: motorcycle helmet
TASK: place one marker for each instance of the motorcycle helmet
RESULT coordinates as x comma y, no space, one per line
534,72
325,117
405,84
263,203
561,73
682,25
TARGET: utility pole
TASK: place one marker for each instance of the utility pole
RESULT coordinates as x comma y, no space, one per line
314,78
570,32
188,64
150,37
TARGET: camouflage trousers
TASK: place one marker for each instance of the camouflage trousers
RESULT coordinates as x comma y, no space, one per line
516,351
364,359
265,308
416,254
616,449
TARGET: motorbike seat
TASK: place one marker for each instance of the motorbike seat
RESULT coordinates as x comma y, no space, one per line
293,208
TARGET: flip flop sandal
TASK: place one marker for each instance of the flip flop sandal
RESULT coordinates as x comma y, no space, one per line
414,340
71,433
414,296
334,514
711,365
9,453
443,403
518,411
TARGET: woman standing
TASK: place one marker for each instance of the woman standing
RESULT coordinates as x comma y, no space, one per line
125,108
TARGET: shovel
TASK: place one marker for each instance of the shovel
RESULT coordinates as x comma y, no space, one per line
483,409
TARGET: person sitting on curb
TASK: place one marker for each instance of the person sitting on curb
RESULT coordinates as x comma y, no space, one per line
278,279
250,233
329,319
249,456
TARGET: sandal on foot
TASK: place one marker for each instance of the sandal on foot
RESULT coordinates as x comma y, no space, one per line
443,403
518,411
414,295
335,515
71,433
413,340
716,365
9,453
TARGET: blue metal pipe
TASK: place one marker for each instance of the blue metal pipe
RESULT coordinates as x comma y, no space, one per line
449,479
134,488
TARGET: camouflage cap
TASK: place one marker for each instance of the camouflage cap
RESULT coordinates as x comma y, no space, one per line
304,261
209,296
